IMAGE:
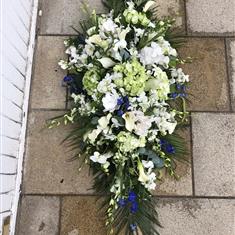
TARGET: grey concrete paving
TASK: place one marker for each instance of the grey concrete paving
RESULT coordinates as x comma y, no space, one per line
182,186
47,165
174,9
208,87
214,154
46,91
59,15
211,17
196,217
231,58
81,215
39,216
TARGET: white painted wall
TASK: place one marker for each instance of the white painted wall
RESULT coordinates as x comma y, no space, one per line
17,33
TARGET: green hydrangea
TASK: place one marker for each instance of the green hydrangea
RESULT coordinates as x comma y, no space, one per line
90,81
127,142
135,17
134,77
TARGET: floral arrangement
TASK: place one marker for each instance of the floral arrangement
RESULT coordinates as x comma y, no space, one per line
128,98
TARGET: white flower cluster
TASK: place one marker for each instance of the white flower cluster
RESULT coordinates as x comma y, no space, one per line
126,87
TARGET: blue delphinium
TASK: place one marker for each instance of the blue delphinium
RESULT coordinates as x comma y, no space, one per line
133,227
68,79
123,104
132,196
182,90
122,202
134,207
166,146
131,200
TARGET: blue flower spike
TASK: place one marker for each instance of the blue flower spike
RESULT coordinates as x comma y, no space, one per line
170,149
133,227
120,101
122,202
134,207
68,79
173,95
132,196
178,86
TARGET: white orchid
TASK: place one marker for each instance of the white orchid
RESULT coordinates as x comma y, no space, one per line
154,55
148,164
147,178
100,158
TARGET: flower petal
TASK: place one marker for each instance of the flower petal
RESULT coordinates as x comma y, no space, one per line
106,62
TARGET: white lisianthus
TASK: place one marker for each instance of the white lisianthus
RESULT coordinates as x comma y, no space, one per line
110,101
109,26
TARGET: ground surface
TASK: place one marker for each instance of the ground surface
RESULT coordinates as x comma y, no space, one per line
56,200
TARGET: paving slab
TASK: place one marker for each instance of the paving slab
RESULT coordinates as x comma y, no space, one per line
208,88
231,58
47,167
174,9
196,217
183,185
214,154
39,216
213,17
59,15
80,215
46,91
